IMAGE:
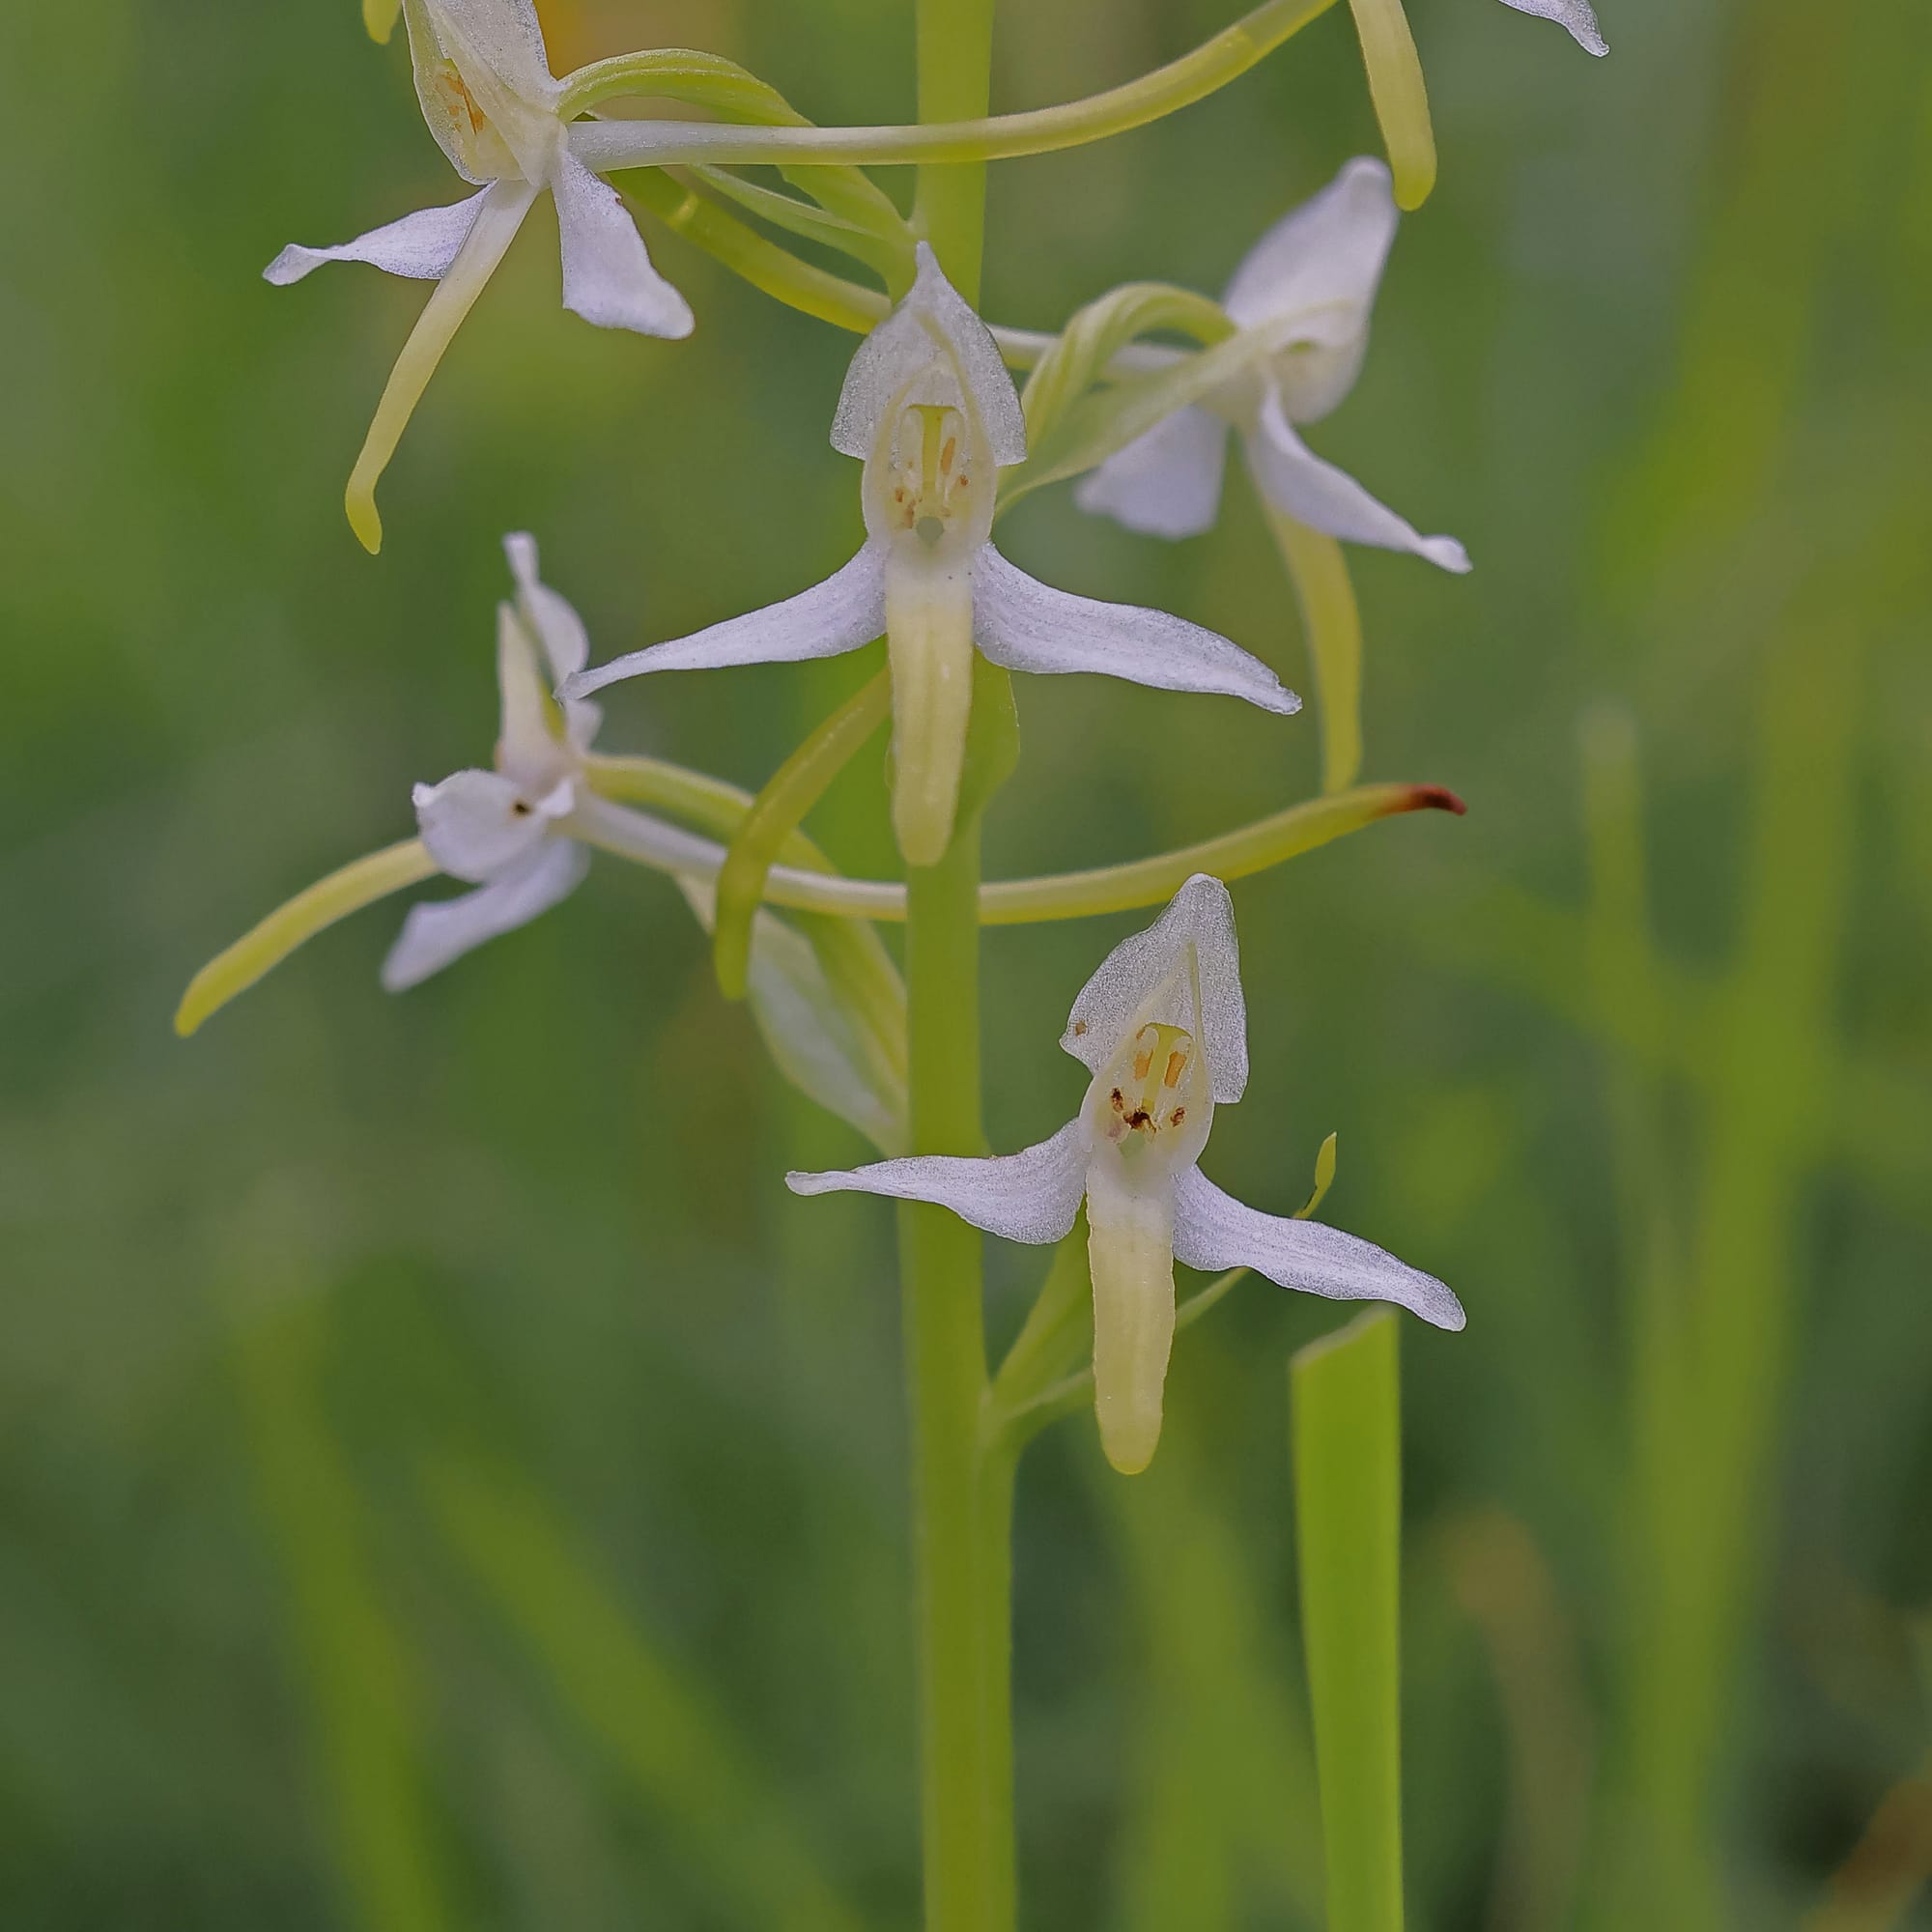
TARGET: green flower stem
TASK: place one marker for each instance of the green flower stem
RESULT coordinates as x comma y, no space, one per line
605,145
962,1498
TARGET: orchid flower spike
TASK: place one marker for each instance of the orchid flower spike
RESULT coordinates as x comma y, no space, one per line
1302,294
1162,1027
483,81
929,409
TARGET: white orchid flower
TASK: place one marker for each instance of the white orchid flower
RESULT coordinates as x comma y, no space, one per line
488,93
1303,293
1575,16
929,409
1162,1027
507,831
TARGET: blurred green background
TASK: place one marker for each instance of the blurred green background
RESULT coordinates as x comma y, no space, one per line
448,1483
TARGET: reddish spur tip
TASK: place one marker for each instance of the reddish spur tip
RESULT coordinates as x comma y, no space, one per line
1430,798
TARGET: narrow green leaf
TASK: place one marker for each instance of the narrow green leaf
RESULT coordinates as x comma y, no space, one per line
775,815
1347,1426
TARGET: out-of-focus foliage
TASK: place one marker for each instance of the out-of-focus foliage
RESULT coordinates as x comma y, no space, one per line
448,1482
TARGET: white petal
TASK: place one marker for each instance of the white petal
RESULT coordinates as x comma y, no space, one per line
421,246
1301,485
444,929
1200,914
529,752
933,317
484,83
1213,1231
1031,1196
551,621
1027,625
845,611
1575,14
550,617
607,277
479,825
1320,267
1166,483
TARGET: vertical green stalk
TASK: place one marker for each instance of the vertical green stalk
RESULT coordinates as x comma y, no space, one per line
963,1500
1348,1507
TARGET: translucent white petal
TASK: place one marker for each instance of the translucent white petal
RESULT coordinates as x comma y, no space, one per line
1330,249
1027,625
1213,1231
485,87
444,929
1200,914
529,753
421,245
1575,14
480,825
933,317
1031,1196
607,277
552,622
1166,483
845,611
1301,485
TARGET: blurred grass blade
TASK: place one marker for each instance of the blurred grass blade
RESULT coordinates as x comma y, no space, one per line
378,16
797,785
355,1670
1318,569
266,945
1096,335
662,1732
1346,1423
1401,97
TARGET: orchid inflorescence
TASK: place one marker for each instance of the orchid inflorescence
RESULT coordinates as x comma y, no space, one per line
946,442
1135,400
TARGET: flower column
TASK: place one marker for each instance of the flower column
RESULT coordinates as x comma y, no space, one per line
962,1509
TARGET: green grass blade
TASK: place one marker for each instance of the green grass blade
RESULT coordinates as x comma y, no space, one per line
675,1749
1346,1424
356,1673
